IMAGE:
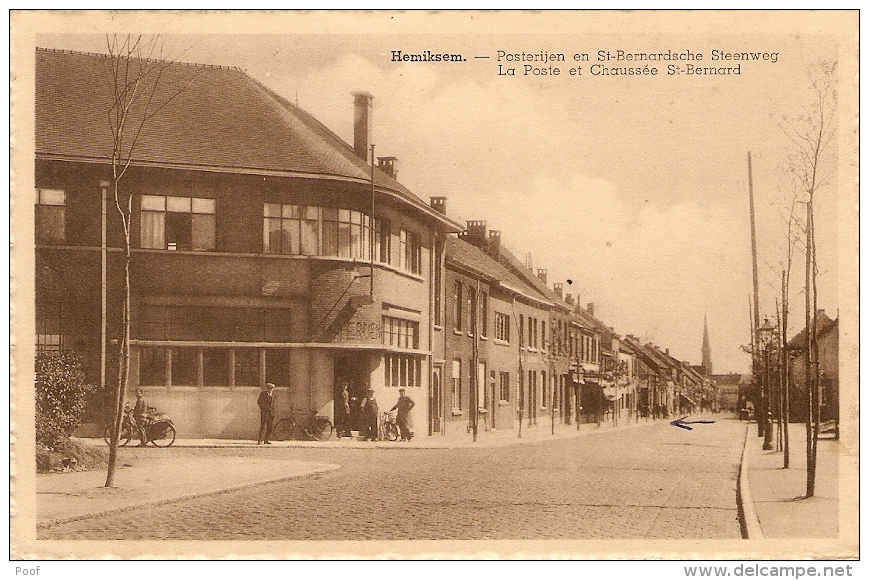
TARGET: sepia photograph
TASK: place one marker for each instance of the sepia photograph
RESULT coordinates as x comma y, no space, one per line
435,285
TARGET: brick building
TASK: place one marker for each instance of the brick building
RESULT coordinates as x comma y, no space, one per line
264,248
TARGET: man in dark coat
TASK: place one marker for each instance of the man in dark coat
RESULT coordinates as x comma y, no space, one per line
404,405
266,403
370,413
140,416
342,411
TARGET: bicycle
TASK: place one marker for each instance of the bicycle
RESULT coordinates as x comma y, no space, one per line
388,427
159,429
316,427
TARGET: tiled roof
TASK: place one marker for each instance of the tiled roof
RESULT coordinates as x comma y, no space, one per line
825,324
206,117
465,254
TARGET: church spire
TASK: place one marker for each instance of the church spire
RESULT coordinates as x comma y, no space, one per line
707,353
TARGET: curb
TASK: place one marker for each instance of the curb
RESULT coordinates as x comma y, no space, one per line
45,524
749,525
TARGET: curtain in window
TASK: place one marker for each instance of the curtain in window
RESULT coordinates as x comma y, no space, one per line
153,230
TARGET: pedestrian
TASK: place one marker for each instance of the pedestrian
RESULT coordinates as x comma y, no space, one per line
404,405
266,403
369,417
343,407
140,416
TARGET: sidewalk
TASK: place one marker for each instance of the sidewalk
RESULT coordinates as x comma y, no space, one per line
147,479
777,494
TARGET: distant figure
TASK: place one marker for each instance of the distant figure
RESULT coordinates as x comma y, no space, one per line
140,415
369,417
266,403
343,412
404,405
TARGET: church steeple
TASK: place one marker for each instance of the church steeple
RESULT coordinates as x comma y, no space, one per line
707,353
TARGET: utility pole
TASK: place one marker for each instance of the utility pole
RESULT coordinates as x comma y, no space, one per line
760,413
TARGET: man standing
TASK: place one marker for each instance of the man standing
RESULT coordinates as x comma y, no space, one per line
369,417
343,414
140,415
266,403
404,405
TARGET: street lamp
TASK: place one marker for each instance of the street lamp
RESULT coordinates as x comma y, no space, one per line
766,335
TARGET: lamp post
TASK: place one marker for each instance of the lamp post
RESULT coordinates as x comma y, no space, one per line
766,336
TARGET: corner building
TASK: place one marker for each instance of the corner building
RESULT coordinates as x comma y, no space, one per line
264,248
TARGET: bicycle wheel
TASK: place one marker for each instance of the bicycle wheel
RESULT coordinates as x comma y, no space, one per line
321,428
126,435
166,438
283,430
390,431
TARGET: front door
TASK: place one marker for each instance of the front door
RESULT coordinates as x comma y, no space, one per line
435,404
352,369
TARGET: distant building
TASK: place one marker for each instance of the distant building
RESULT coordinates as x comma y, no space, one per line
828,368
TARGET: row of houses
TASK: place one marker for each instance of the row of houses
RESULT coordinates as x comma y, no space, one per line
267,249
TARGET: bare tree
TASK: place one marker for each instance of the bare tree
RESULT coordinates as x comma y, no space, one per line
134,71
811,135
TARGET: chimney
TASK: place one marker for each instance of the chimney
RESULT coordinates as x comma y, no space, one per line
475,233
667,351
569,299
362,124
541,274
590,308
494,245
558,288
387,165
439,204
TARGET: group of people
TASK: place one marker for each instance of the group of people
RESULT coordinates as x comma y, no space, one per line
370,412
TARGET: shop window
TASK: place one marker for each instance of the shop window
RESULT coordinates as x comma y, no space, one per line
177,223
215,367
185,366
50,216
152,366
278,367
247,367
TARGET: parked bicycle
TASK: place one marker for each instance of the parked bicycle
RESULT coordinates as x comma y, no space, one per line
314,427
159,428
388,427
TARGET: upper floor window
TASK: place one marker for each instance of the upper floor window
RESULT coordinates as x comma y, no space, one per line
410,254
50,216
457,305
484,314
399,332
502,327
291,229
177,223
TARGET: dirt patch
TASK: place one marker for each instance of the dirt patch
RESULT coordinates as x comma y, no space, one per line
71,455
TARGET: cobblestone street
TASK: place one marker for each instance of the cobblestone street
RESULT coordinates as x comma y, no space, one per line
653,481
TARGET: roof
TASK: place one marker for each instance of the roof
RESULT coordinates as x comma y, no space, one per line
466,255
204,117
825,325
727,379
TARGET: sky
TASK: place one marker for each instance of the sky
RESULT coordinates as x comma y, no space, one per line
633,188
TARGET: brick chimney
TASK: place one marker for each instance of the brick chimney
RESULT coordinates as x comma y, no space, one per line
558,288
387,165
362,105
475,233
569,299
493,247
590,308
541,274
439,204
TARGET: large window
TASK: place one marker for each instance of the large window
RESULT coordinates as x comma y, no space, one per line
502,327
177,223
400,333
163,322
50,216
457,384
291,229
402,370
185,366
410,254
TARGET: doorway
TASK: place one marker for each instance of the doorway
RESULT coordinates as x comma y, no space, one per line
435,403
351,369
